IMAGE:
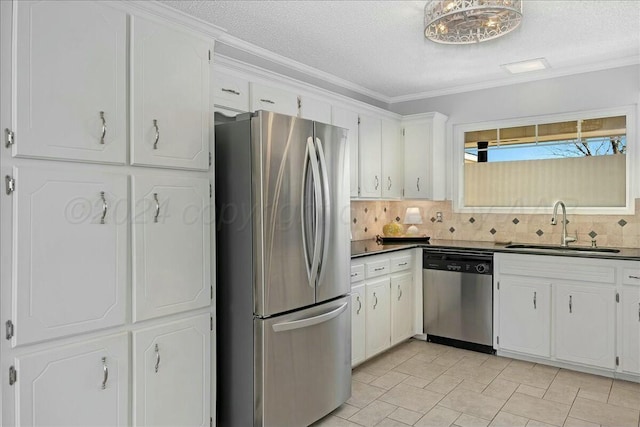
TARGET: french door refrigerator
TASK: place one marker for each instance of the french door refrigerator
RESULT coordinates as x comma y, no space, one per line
283,310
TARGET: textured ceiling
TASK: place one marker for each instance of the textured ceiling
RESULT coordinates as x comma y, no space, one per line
380,45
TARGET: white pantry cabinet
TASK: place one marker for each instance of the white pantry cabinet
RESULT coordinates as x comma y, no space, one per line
585,324
273,99
169,96
83,384
370,146
70,91
349,120
392,159
424,156
525,315
71,251
378,315
171,371
171,245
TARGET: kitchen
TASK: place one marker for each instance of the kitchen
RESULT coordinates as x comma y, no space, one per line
404,135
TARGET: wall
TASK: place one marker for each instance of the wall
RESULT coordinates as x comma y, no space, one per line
368,218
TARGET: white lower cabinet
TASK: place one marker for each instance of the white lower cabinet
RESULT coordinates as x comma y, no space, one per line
171,374
358,324
382,296
525,315
630,328
75,385
585,324
402,302
378,314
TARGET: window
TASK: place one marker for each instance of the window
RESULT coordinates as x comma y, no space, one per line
529,163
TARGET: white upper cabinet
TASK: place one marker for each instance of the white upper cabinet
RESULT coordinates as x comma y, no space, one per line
349,120
70,86
71,251
171,374
314,109
169,97
75,385
273,99
370,146
230,92
171,245
392,160
424,157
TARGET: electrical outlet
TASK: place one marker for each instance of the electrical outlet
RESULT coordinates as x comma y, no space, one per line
438,216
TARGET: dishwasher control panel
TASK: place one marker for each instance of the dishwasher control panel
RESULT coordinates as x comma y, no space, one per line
458,262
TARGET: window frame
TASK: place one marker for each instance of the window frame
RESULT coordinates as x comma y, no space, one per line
632,160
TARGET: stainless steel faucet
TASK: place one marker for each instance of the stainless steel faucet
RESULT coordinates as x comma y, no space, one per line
565,239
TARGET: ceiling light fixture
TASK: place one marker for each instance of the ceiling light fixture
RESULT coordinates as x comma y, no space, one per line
470,21
526,66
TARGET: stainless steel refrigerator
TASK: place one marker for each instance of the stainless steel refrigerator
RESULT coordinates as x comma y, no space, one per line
283,310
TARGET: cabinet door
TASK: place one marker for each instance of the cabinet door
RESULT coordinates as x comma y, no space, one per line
273,99
171,374
630,303
169,97
378,316
71,252
314,109
401,307
70,92
392,160
231,92
349,120
358,322
75,385
370,160
525,315
171,245
417,143
585,324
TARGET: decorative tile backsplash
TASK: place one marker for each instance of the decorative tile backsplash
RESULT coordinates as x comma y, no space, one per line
368,218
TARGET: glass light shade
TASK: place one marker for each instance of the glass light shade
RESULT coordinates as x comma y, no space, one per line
470,21
412,216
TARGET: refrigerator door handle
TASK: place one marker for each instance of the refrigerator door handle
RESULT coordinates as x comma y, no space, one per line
311,158
305,323
326,209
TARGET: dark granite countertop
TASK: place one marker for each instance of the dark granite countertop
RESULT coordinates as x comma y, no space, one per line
371,247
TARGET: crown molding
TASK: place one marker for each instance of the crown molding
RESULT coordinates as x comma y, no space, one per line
524,78
252,49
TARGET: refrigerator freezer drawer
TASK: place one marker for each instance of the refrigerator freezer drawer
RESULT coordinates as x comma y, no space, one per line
305,368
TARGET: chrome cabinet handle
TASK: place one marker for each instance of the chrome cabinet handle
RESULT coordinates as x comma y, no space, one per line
377,182
418,183
268,101
105,206
535,294
354,274
634,277
105,372
104,127
359,304
399,293
157,358
570,304
375,303
231,91
378,269
389,183
155,142
155,197
402,263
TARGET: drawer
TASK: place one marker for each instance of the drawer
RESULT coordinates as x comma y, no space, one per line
357,273
401,263
378,268
631,276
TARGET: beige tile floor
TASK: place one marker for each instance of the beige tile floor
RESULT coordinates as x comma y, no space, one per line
425,384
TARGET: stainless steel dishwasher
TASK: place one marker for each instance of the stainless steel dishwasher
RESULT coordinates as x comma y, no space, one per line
458,298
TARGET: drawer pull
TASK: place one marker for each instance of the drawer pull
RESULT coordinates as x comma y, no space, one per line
359,304
378,269
231,91
402,263
376,302
267,101
634,277
354,274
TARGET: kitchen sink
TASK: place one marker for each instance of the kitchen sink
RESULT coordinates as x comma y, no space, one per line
559,248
